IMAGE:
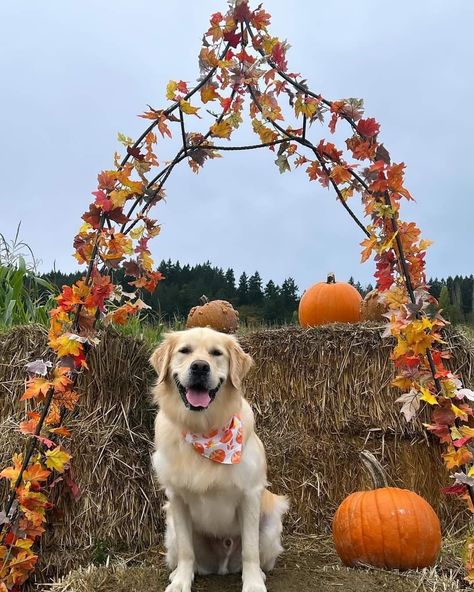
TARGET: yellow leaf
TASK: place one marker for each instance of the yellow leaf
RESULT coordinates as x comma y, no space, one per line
222,129
208,93
458,412
402,383
395,297
424,244
306,107
57,459
136,233
456,458
466,431
455,433
118,197
64,346
171,88
187,108
265,133
427,396
24,543
84,229
470,473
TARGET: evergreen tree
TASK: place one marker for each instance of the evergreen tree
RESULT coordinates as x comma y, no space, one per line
255,293
289,297
243,290
230,290
273,308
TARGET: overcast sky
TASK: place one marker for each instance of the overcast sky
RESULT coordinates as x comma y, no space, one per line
74,73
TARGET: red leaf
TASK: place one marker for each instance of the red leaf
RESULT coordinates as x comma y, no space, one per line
71,484
46,441
368,127
441,431
102,201
92,216
278,56
444,416
456,489
117,215
462,441
232,38
135,152
225,104
242,12
260,19
216,18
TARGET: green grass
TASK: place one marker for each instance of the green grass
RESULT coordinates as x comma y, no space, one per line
24,296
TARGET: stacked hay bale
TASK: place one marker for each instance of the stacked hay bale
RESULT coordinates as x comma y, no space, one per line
118,510
320,396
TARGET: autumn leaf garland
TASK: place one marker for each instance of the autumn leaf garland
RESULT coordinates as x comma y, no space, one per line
240,62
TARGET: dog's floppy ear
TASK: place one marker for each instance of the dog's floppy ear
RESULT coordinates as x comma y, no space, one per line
160,358
240,363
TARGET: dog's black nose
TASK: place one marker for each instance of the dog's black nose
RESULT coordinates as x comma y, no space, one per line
200,367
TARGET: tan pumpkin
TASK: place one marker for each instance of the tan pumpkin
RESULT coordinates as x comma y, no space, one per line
329,302
387,527
371,308
217,314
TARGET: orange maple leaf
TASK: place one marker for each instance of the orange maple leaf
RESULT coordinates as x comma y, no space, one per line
36,474
67,399
29,426
11,473
60,379
340,174
314,170
36,388
61,431
456,458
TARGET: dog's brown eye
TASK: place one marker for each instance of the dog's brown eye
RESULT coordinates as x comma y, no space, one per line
216,352
185,350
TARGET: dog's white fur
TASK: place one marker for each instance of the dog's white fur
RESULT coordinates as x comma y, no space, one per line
219,518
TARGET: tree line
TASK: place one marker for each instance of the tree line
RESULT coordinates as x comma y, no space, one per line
260,302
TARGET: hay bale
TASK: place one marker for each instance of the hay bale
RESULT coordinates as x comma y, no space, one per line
336,377
111,445
320,396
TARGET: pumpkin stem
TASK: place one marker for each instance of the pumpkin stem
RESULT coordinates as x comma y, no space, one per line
331,278
204,299
375,469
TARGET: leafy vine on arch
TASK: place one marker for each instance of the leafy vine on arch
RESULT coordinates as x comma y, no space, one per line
239,60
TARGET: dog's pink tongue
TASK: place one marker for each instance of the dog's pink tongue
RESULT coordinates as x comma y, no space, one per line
198,398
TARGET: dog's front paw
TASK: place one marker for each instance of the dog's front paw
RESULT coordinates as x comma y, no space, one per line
178,585
181,580
254,587
253,579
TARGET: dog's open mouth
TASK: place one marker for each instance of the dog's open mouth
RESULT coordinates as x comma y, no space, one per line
197,397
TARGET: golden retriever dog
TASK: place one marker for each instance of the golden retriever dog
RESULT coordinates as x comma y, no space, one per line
220,518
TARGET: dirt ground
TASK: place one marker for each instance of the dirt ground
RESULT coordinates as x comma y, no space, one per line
307,566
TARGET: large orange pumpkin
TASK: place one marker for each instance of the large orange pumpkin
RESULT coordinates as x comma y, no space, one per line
388,527
217,314
329,302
